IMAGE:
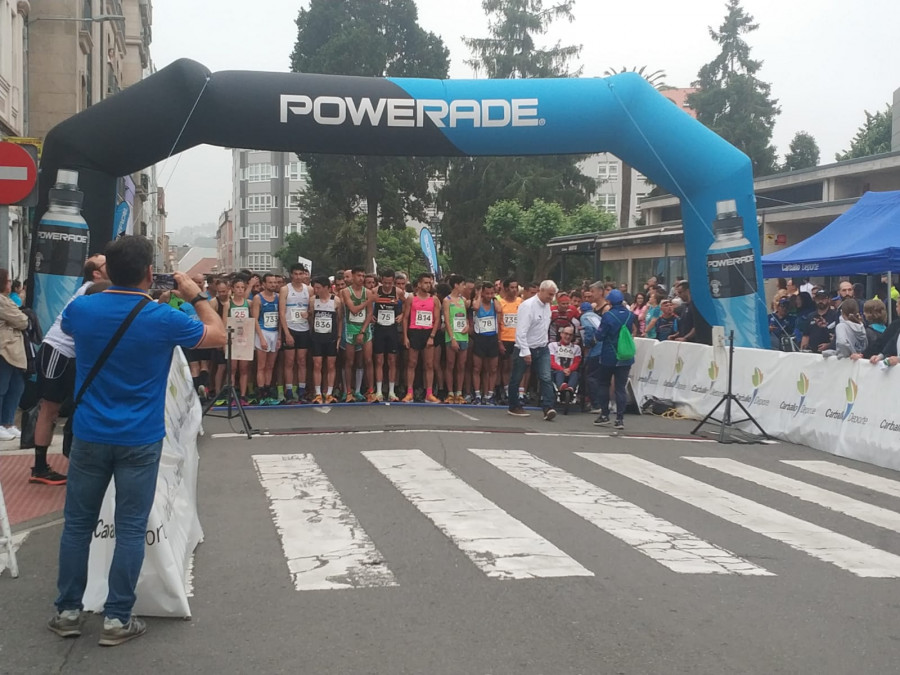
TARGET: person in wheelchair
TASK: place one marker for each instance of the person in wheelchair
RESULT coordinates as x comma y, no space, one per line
565,358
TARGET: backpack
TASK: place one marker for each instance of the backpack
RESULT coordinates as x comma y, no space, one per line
625,347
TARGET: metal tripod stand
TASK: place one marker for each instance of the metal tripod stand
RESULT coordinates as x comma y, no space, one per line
727,399
235,409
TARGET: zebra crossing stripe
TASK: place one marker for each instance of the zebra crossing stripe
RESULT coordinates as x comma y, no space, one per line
847,475
664,542
809,493
322,540
498,544
849,554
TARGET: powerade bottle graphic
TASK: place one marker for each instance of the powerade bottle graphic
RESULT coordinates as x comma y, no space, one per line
62,247
731,268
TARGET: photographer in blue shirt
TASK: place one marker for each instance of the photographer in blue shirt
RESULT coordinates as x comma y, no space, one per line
119,426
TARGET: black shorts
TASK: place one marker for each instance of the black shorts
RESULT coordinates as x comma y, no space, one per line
385,340
418,338
509,347
326,349
195,355
55,375
218,356
302,340
485,346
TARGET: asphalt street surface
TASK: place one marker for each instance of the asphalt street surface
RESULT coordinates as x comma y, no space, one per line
462,541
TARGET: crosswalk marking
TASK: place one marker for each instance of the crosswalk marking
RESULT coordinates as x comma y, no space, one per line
810,493
668,544
849,554
322,540
501,546
847,475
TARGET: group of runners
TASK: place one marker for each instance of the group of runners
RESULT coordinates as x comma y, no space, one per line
361,337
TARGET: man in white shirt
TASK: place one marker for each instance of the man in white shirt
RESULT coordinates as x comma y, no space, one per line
531,349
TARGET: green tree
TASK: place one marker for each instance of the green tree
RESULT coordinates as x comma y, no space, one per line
474,184
803,152
400,250
872,138
511,51
658,79
526,231
377,38
732,100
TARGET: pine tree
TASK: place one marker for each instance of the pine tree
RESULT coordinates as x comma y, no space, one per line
475,184
732,100
803,152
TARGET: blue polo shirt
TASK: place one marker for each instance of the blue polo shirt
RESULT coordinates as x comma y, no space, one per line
125,404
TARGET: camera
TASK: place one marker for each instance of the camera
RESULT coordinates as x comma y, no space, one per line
163,282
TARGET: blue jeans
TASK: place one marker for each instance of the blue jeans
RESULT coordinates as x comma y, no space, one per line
91,465
540,360
12,384
592,380
621,380
559,377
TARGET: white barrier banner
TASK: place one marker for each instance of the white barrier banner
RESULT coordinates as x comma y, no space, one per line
173,529
844,407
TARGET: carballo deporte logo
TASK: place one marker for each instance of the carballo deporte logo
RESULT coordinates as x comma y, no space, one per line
850,392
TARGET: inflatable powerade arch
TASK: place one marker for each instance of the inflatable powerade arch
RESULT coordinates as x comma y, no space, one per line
185,105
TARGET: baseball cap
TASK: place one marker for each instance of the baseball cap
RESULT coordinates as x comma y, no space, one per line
586,307
821,294
615,297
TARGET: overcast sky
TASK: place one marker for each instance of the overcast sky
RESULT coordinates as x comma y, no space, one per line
827,61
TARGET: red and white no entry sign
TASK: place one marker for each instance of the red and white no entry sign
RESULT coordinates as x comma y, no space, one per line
18,173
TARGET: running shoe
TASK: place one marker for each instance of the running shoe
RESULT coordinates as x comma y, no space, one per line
371,397
549,414
14,430
408,398
349,399
431,398
379,397
489,401
602,421
330,399
115,632
46,476
477,401
219,402
393,398
67,623
620,423
518,412
244,401
359,397
287,400
317,400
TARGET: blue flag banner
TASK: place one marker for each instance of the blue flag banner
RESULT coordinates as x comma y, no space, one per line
426,241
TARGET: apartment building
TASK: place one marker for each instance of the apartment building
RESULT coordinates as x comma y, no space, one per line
267,188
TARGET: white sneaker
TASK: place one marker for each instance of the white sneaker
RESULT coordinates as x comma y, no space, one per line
7,435
14,431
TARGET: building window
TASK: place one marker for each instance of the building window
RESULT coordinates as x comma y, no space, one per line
259,202
256,173
259,231
259,262
295,202
294,227
295,170
607,203
608,171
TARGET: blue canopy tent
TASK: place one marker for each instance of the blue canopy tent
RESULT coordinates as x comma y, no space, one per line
864,240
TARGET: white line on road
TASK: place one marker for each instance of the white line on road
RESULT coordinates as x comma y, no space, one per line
664,542
501,546
325,546
849,554
322,409
847,475
460,412
854,508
